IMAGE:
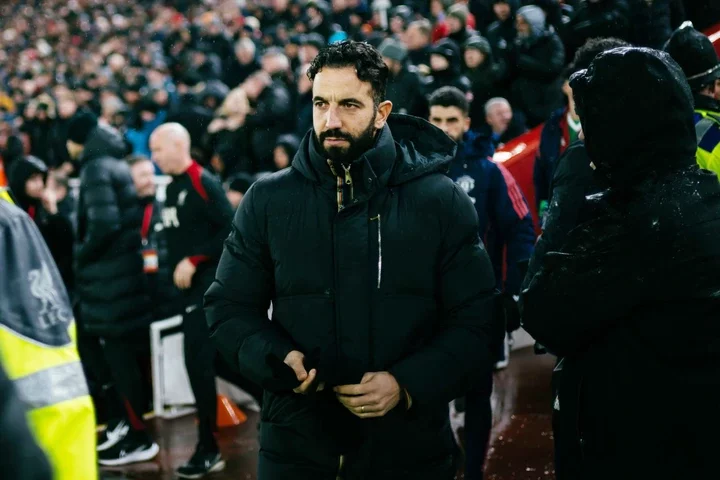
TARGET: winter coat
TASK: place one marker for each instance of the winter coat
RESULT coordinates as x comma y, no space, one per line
56,229
406,90
652,23
503,213
272,109
537,63
607,18
630,298
501,36
110,284
397,280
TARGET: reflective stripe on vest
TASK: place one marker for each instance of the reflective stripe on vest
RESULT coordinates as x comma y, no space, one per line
52,385
702,127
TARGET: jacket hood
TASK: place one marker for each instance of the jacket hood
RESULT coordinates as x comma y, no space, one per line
636,110
104,141
20,171
418,147
535,17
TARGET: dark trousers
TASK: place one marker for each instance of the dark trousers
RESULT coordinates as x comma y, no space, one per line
478,424
200,357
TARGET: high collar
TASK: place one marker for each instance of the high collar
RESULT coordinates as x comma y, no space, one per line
703,102
369,171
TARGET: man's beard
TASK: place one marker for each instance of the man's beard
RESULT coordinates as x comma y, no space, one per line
355,148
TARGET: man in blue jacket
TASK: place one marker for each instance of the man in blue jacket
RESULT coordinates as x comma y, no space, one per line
507,228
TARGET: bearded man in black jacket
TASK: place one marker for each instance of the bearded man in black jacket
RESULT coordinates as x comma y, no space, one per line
381,289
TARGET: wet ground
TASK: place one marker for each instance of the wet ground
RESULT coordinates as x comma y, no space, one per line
521,440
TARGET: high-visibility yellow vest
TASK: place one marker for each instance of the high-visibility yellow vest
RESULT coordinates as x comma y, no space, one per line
707,132
38,348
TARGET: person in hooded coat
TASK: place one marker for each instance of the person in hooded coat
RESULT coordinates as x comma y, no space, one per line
629,302
536,60
405,86
27,179
382,292
596,19
113,302
446,68
483,72
501,34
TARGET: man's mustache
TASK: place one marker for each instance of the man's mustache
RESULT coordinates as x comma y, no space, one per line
335,134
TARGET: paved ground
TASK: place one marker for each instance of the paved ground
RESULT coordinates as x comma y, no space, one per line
521,440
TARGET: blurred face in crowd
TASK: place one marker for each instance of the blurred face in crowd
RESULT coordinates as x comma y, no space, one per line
67,108
234,197
35,185
308,53
281,158
436,8
523,28
474,57
304,84
453,24
74,149
244,55
415,39
397,25
438,62
502,11
393,65
499,116
450,120
345,117
57,187
143,174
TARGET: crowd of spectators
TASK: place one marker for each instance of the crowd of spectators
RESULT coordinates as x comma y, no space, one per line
233,73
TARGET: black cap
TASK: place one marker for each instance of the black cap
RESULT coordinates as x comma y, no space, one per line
80,127
240,182
695,54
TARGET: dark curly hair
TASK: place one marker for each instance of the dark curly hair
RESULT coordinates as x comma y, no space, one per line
449,97
591,49
363,57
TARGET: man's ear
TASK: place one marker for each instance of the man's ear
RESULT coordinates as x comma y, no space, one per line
383,112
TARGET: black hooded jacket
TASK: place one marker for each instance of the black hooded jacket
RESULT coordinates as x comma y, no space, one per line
110,284
630,299
57,231
397,281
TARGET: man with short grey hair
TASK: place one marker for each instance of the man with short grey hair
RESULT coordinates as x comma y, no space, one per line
503,125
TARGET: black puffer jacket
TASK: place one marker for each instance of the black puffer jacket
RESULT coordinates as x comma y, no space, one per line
630,300
397,281
110,284
536,64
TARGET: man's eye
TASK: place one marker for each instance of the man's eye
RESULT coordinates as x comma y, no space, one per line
350,105
319,104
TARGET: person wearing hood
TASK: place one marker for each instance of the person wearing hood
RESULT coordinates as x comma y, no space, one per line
502,33
110,285
364,354
503,216
285,150
446,68
480,68
457,21
563,130
697,57
417,39
536,60
27,181
629,301
245,62
596,19
405,87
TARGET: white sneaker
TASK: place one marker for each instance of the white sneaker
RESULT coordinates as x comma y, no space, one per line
112,435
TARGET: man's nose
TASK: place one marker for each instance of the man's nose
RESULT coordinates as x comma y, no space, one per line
332,120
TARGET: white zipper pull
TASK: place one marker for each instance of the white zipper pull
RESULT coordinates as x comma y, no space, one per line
349,180
379,239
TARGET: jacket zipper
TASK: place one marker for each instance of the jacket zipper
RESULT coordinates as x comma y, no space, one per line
341,461
379,241
338,186
349,181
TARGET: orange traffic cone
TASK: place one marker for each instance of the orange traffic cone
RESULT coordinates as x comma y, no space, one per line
228,414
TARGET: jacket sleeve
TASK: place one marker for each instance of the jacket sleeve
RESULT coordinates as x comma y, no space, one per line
237,303
549,66
102,211
455,358
510,215
220,213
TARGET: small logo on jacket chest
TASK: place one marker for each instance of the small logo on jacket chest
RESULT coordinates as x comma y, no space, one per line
181,198
170,217
467,183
